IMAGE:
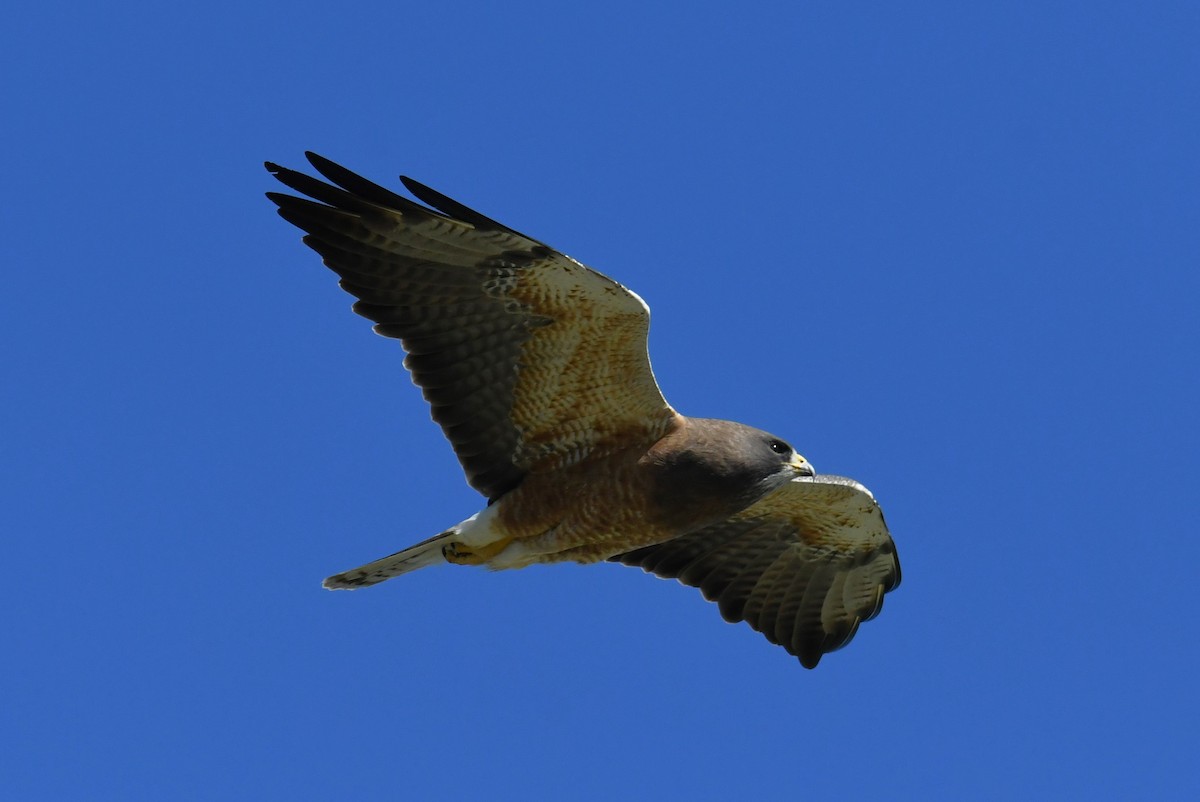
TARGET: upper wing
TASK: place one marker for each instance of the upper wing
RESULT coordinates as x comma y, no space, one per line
530,360
804,565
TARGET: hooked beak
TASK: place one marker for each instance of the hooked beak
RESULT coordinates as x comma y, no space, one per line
802,466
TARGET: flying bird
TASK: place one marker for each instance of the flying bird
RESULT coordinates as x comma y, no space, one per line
536,368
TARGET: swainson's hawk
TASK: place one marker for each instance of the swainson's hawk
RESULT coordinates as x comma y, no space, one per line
537,370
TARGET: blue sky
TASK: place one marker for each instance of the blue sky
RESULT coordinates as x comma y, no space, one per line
949,249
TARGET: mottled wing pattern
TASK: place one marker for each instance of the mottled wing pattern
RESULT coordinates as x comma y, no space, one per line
804,566
530,360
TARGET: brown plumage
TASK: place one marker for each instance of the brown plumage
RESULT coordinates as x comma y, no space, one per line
537,371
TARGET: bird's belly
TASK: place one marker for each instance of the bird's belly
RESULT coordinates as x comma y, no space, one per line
579,516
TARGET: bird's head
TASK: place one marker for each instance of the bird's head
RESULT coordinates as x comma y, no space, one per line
724,462
770,459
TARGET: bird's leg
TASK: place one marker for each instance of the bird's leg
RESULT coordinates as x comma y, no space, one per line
462,554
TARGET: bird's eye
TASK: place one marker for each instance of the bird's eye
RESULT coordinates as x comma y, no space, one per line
780,447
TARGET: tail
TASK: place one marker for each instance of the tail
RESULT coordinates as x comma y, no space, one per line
425,553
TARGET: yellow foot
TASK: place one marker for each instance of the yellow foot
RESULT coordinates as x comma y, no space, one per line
462,554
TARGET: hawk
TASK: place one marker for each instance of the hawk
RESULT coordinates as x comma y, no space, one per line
536,368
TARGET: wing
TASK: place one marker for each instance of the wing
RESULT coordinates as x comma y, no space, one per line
530,360
805,565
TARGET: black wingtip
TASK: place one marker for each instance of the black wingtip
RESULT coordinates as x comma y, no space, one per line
455,209
443,204
331,169
346,178
320,162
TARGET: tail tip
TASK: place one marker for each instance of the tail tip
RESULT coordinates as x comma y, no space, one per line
350,580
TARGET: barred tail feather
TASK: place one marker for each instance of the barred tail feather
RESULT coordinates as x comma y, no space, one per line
422,555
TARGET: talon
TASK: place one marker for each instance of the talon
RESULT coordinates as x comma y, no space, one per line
462,554
457,553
